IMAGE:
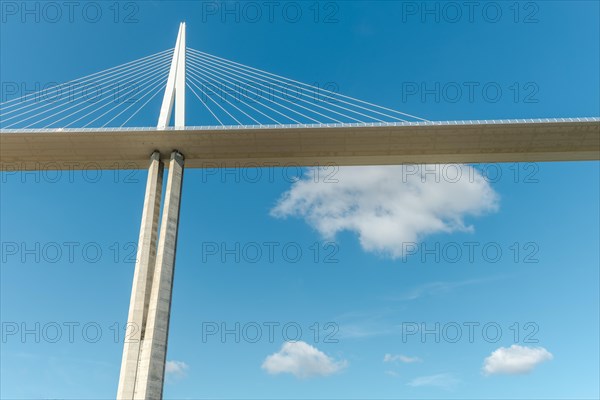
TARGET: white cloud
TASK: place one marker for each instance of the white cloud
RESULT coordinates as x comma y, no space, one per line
515,360
444,381
176,369
390,207
301,360
401,358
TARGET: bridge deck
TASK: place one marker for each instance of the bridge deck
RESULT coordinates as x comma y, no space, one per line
348,144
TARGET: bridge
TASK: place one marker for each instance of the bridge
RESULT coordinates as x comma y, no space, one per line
250,117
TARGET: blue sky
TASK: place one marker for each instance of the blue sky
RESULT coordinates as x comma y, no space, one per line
359,288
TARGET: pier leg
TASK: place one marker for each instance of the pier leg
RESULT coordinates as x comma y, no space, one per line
151,372
142,279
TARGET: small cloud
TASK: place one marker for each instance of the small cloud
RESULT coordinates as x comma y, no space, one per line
387,208
176,369
401,358
392,373
444,381
302,360
515,360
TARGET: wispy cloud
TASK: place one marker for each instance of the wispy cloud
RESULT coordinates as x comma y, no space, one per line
386,207
302,360
365,324
515,360
360,330
401,358
443,381
383,321
437,288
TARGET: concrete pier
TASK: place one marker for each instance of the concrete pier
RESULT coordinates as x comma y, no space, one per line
145,350
149,384
142,279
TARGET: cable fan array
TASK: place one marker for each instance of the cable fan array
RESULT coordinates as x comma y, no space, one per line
109,98
236,94
229,93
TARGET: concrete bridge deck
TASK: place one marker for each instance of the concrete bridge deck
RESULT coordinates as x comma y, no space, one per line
568,139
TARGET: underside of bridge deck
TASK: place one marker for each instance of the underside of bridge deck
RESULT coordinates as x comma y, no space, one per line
300,145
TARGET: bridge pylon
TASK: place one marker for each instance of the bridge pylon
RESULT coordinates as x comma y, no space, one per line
145,349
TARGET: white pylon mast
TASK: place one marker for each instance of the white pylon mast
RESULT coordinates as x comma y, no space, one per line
175,89
145,348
